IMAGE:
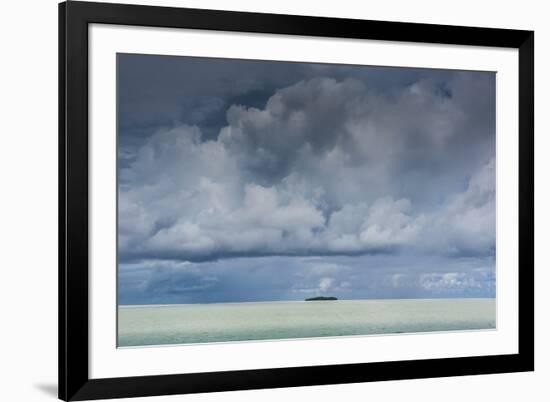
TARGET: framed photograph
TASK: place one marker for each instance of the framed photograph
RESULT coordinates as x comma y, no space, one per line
257,201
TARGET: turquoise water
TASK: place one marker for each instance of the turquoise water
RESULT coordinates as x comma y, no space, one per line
199,323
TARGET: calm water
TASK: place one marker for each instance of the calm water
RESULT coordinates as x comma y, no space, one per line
198,323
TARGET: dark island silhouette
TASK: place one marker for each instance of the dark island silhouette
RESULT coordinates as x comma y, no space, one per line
321,298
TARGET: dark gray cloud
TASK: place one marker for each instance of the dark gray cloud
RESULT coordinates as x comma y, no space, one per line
163,91
225,159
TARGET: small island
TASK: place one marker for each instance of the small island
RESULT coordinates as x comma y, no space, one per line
321,298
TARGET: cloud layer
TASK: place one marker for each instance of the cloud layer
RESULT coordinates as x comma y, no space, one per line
318,171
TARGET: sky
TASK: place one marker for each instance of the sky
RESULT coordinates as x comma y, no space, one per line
245,180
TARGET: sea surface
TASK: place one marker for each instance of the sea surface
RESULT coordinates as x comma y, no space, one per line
229,322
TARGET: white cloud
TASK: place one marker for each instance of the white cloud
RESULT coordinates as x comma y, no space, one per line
325,284
467,223
448,281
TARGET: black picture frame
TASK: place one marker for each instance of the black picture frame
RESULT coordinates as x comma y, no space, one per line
74,381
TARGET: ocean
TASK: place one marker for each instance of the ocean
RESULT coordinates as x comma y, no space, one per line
230,322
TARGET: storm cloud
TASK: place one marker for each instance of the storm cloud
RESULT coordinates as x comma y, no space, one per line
289,161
